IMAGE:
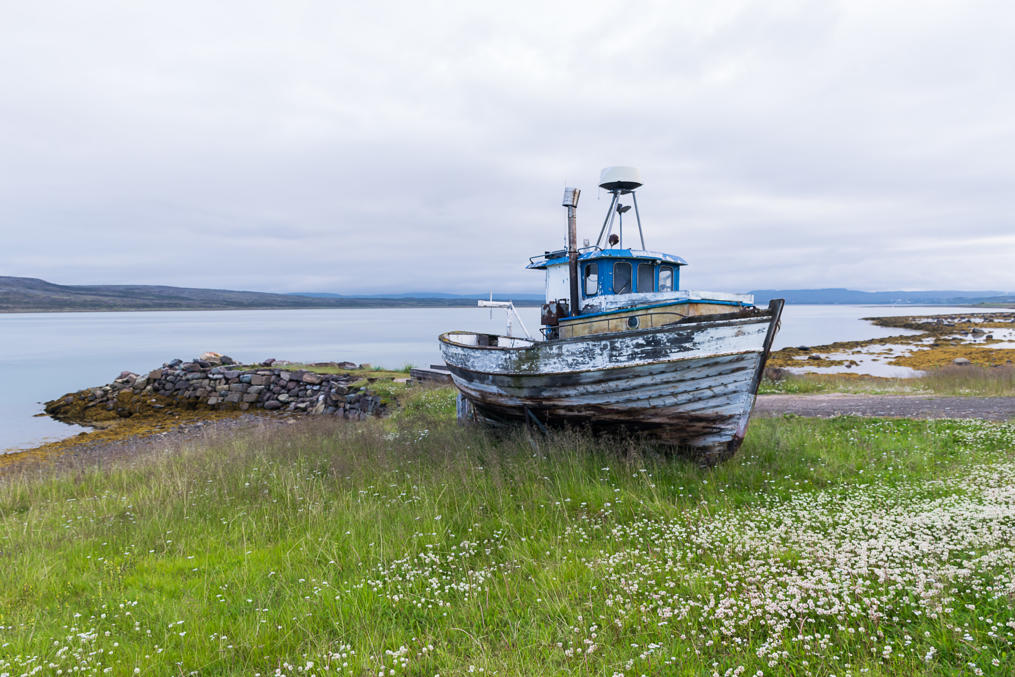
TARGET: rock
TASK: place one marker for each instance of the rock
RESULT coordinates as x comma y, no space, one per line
238,387
210,358
346,365
234,397
246,378
272,405
961,361
126,375
311,377
283,397
250,397
255,389
174,363
814,357
227,360
190,366
212,401
267,363
260,379
230,374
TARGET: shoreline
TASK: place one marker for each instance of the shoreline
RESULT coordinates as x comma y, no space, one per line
101,441
128,411
210,392
464,304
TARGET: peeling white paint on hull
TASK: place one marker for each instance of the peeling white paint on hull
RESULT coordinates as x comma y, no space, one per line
691,384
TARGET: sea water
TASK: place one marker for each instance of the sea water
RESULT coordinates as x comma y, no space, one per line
45,355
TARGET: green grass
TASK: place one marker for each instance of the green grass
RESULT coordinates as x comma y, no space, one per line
967,381
417,546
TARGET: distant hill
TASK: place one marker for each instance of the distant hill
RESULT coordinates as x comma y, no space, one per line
854,297
428,295
27,294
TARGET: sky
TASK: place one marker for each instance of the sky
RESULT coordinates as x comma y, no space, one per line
377,147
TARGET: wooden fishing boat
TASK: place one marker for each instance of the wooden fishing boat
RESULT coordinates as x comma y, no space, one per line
635,353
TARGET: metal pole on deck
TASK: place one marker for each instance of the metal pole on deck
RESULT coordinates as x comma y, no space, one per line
571,202
637,215
608,219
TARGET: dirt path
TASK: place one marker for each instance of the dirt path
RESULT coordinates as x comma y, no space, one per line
889,406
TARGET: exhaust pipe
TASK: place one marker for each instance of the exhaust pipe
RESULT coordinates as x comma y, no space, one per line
571,202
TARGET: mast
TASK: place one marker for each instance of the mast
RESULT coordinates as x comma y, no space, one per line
620,181
571,202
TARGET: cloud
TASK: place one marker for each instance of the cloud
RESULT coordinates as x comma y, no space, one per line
397,146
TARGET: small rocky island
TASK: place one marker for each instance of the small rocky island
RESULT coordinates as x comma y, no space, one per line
215,383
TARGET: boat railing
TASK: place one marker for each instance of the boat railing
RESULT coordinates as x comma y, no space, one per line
561,253
509,308
474,339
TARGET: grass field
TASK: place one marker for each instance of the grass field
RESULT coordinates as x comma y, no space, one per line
411,546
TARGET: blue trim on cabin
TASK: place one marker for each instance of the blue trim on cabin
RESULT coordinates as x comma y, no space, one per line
605,276
560,257
717,302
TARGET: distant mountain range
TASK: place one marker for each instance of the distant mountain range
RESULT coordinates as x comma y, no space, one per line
853,297
426,295
26,294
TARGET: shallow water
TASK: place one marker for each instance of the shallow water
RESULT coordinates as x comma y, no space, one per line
44,355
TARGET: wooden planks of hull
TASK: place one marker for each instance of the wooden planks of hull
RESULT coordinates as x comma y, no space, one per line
691,384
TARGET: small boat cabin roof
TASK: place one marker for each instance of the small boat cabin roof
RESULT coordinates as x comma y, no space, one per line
559,257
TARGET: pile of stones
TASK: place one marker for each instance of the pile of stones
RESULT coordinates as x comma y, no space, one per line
213,381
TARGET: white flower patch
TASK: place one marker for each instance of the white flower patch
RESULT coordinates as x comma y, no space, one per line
825,565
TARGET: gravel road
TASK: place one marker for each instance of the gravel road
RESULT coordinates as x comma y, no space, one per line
888,406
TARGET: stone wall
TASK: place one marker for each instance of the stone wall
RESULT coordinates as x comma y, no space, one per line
215,382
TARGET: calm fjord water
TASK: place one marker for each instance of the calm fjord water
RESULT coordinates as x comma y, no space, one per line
44,355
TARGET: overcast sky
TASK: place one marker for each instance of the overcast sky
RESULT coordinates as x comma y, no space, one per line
374,146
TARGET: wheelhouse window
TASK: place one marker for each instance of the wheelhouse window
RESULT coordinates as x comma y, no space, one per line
591,279
646,277
621,277
666,278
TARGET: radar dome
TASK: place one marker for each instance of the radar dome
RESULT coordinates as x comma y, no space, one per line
623,179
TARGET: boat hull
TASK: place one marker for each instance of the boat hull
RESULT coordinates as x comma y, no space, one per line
690,384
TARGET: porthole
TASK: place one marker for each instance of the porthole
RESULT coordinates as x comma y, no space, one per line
632,322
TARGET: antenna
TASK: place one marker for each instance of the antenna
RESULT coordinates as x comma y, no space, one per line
620,181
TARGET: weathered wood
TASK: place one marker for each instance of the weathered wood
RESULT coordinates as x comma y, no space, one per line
691,383
430,375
